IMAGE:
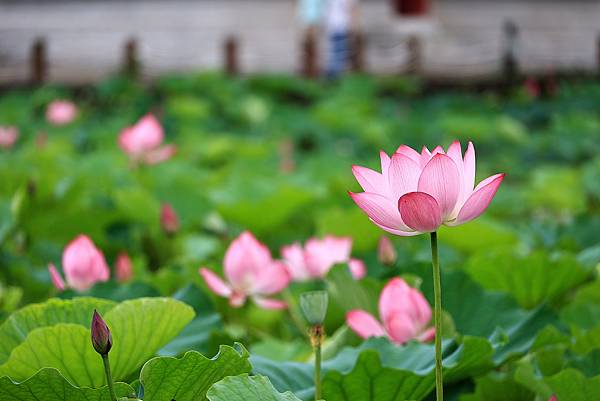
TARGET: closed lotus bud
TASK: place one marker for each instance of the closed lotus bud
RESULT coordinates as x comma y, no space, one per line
101,337
168,219
386,252
314,306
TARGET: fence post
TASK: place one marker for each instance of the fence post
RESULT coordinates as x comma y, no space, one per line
415,55
510,65
598,52
131,64
310,56
231,55
38,61
357,52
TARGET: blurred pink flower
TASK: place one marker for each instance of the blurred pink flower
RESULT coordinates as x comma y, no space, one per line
318,257
61,112
168,219
553,398
123,267
417,193
386,253
404,311
83,265
250,272
57,280
142,141
8,137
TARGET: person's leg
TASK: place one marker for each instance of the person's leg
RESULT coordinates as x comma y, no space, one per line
336,54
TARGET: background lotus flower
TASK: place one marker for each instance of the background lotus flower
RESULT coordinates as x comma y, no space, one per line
168,219
61,112
404,311
386,253
318,257
56,278
123,267
142,141
83,265
417,193
8,137
553,398
251,272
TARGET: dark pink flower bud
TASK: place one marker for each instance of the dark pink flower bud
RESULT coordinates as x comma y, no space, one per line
386,252
101,337
168,219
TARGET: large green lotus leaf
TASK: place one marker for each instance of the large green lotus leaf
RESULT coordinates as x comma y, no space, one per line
190,377
351,222
139,328
569,384
530,279
78,311
482,233
49,385
197,334
558,190
498,386
247,388
261,206
370,381
472,356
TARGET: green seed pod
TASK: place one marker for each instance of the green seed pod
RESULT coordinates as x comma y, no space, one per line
314,306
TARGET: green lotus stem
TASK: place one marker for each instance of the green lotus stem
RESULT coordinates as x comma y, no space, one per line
109,379
437,317
317,340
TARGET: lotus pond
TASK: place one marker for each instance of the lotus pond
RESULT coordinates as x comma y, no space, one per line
207,220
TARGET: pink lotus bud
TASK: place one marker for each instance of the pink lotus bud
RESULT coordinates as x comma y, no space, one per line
101,337
250,272
357,268
61,112
142,141
84,264
123,267
386,253
419,192
553,398
8,137
57,280
168,219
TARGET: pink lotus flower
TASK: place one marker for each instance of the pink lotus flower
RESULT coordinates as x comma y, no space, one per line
404,311
123,267
168,219
553,398
142,141
318,257
8,137
83,264
251,272
417,193
61,112
385,251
